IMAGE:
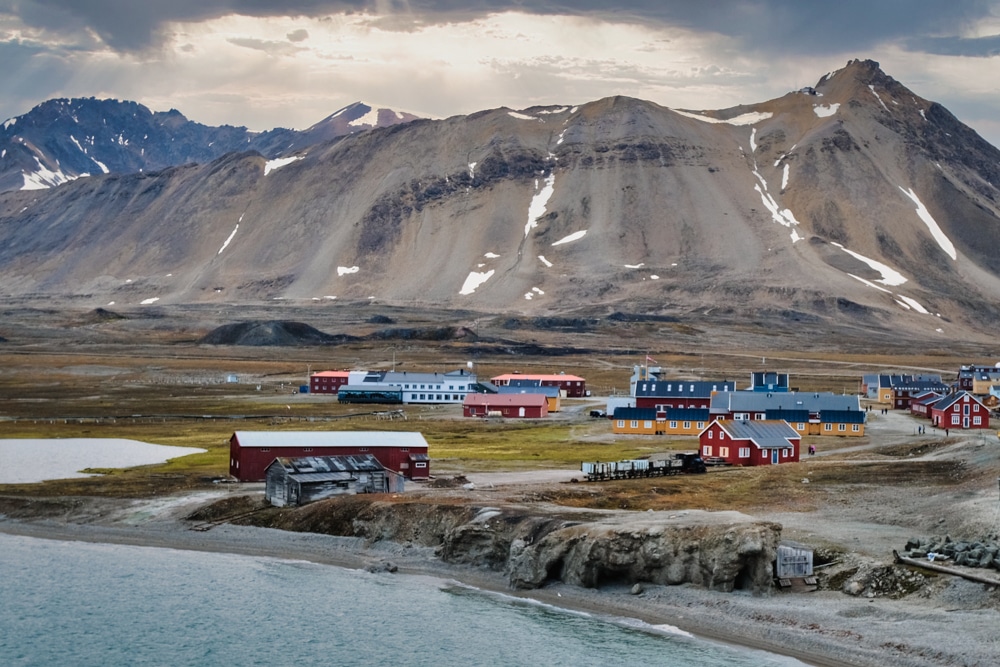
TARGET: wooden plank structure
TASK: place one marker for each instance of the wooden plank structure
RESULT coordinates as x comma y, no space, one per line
296,481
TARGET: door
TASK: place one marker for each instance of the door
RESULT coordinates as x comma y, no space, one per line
774,455
520,412
965,422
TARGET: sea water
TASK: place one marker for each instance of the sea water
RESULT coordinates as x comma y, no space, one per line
80,604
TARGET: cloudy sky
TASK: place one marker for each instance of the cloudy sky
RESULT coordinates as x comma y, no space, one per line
267,63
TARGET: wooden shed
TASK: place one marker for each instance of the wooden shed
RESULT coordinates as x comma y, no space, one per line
297,481
527,406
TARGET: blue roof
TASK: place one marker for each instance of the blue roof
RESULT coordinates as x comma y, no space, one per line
645,414
682,388
766,434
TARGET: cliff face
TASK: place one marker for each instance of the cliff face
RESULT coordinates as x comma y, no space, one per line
717,551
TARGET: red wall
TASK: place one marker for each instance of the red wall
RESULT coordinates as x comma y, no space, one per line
943,418
758,456
672,401
248,464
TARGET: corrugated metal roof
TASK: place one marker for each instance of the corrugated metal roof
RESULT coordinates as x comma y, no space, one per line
321,476
550,392
682,388
329,465
766,434
530,376
330,439
406,377
755,401
635,413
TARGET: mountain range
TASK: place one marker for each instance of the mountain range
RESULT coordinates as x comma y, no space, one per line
853,200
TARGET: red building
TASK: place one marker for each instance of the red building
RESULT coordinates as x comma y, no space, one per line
960,410
251,452
327,382
527,406
688,394
575,387
750,443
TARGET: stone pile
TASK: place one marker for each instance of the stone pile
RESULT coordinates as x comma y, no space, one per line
969,553
891,581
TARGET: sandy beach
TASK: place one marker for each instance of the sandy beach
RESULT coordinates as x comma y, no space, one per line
952,623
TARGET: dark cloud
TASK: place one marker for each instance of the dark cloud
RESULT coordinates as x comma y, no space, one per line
299,35
978,47
774,26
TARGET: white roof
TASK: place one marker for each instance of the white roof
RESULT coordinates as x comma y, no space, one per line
331,439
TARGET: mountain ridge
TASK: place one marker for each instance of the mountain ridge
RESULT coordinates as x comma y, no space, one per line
852,200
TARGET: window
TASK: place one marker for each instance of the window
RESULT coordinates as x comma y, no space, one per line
722,435
801,426
621,423
784,453
955,419
724,452
855,427
711,434
744,452
701,425
827,427
307,449
841,427
977,420
420,464
674,425
647,424
362,449
706,450
404,449
265,449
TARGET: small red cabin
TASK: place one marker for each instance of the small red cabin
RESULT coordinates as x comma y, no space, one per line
251,452
750,443
574,386
527,406
327,382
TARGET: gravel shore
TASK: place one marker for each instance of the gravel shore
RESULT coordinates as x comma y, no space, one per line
952,622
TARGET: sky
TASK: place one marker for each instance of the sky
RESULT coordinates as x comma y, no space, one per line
272,63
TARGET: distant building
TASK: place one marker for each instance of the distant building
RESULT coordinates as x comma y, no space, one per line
328,382
572,385
903,393
886,383
649,421
750,443
827,413
408,387
519,406
553,395
960,410
663,394
251,452
297,481
967,374
768,381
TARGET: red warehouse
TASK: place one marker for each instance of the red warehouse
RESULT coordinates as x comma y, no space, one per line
750,443
327,382
960,410
528,406
574,386
251,452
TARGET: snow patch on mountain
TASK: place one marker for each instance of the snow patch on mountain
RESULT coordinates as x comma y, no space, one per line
908,303
872,88
520,116
536,209
370,118
475,280
278,163
575,236
346,270
932,225
743,119
890,276
870,283
825,111
226,243
544,261
43,178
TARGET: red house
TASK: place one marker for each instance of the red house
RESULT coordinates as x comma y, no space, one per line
960,410
528,406
574,386
750,443
251,452
327,382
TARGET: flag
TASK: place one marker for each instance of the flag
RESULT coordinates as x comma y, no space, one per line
649,358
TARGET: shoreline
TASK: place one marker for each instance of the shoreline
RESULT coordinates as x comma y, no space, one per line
818,629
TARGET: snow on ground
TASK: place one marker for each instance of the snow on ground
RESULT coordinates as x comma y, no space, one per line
635,266
271,165
872,88
654,277
148,302
551,111
911,303
520,116
870,283
743,119
26,461
753,140
932,225
824,111
782,216
890,276
784,177
43,178
370,118
100,165
545,261
228,240
491,255
536,209
474,280
531,295
344,270
575,236
472,169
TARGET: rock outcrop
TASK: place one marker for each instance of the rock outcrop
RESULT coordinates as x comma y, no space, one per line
719,551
